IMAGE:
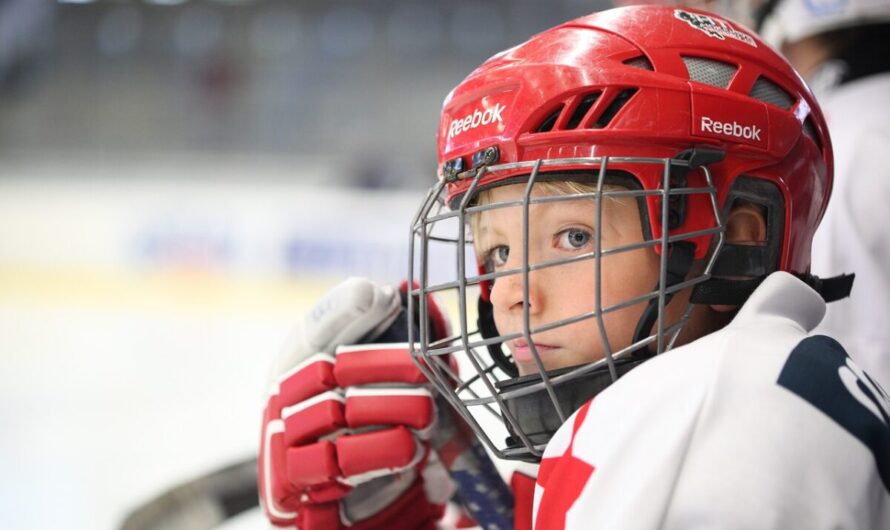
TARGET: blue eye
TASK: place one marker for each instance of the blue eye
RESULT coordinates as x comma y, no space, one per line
497,257
574,238
502,253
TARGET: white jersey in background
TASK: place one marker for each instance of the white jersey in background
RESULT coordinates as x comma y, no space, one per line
759,425
854,235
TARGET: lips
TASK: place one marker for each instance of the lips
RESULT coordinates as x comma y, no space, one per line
522,352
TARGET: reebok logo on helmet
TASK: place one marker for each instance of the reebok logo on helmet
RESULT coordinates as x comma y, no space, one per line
742,120
735,129
477,118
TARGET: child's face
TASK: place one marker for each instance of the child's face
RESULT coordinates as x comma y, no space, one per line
558,230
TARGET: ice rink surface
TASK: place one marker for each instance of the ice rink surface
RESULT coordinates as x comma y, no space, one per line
103,408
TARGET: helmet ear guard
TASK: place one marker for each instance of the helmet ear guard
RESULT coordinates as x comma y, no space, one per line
741,268
737,264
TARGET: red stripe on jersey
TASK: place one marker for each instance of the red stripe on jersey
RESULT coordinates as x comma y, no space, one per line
573,475
561,495
547,464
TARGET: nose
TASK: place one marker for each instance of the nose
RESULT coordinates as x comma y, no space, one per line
507,294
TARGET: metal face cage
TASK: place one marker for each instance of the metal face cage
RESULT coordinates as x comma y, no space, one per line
515,416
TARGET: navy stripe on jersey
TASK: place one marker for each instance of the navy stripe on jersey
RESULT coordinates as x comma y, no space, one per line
820,371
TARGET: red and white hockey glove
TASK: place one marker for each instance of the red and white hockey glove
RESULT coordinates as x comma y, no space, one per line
346,430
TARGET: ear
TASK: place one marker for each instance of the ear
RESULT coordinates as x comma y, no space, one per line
746,224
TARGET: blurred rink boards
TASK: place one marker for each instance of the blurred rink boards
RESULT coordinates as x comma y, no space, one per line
139,316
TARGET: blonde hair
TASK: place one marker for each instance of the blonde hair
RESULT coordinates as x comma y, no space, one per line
557,187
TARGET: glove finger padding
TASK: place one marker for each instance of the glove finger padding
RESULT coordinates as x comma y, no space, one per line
347,428
347,436
376,363
411,407
368,455
311,377
278,497
322,415
377,403
357,457
353,458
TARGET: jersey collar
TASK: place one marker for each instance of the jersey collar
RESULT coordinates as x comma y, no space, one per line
783,295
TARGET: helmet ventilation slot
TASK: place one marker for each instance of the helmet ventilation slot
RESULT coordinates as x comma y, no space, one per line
769,92
617,104
640,62
549,121
584,106
582,109
709,71
810,131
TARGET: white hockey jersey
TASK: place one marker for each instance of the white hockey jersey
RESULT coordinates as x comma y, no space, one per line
758,425
853,236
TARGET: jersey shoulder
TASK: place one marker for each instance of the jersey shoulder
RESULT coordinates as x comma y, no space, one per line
822,374
783,418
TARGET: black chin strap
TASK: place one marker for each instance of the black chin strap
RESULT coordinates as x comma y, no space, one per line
736,292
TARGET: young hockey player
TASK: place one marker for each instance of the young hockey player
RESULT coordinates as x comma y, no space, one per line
629,201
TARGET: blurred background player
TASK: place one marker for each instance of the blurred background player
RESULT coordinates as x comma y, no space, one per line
635,147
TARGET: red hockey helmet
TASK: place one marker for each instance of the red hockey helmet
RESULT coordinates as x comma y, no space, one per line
681,107
649,81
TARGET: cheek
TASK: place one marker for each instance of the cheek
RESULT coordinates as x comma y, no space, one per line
624,276
630,274
576,294
627,276
574,286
